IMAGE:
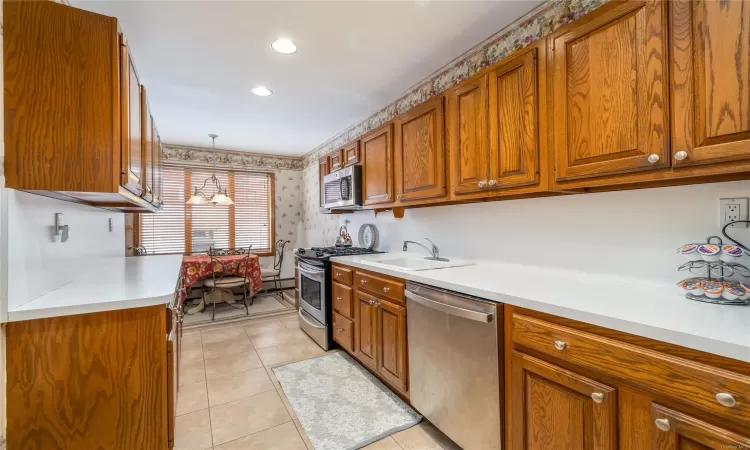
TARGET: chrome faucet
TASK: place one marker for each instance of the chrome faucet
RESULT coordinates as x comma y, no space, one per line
434,251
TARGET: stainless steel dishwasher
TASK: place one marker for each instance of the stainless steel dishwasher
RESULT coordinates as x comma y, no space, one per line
454,375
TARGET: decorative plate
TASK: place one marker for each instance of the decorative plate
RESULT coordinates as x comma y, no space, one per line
368,236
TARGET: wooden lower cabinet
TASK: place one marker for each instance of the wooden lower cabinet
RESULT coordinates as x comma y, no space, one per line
104,380
673,430
392,343
366,330
553,408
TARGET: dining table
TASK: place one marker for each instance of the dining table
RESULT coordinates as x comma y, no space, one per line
197,267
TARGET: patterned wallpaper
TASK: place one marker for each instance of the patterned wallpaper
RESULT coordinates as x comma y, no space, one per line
535,25
288,186
538,23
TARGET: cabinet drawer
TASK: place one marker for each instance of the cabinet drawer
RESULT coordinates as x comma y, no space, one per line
342,275
343,332
382,287
342,300
682,379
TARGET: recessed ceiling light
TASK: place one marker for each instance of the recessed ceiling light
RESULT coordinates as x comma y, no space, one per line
261,91
284,46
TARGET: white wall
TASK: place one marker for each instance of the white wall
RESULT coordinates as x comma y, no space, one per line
38,264
632,234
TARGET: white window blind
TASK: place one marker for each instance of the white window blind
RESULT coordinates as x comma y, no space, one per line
181,228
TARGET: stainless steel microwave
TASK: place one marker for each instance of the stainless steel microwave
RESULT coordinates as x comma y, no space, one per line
343,188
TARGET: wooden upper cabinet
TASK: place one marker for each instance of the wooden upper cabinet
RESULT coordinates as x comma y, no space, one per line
132,127
466,112
420,152
336,160
147,151
673,430
610,84
392,349
323,170
377,166
514,116
710,45
158,166
553,408
351,153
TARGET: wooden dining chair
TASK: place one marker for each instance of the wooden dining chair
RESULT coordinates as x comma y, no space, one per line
221,279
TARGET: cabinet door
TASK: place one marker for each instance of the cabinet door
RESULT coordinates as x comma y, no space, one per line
420,152
553,408
610,92
673,430
366,330
377,166
514,113
710,81
147,152
172,383
336,160
322,172
392,344
158,163
466,112
351,153
132,126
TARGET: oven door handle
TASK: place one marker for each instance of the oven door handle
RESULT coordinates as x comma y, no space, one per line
308,270
302,316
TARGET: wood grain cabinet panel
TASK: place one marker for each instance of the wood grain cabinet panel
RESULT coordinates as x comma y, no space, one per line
158,166
710,44
336,160
147,151
514,116
377,166
673,430
553,408
610,84
342,300
392,351
343,332
351,153
366,330
466,112
89,381
420,152
133,129
342,274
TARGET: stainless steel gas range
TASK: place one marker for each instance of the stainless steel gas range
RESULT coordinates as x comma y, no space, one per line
315,305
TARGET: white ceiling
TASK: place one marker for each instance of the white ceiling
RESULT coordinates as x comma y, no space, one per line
199,59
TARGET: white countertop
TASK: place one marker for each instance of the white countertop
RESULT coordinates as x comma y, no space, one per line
110,284
654,311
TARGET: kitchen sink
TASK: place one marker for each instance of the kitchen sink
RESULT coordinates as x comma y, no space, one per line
419,263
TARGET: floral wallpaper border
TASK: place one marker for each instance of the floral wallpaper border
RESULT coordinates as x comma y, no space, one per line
203,155
536,24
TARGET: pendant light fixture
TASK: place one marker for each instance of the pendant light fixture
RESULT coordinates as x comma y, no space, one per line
220,197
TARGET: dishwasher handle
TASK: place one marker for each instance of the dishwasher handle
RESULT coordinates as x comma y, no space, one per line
477,316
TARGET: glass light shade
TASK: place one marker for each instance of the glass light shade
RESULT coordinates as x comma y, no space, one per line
196,199
221,198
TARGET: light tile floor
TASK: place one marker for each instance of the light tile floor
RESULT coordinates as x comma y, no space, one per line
229,398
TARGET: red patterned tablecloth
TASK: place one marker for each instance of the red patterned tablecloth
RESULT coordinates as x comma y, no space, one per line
198,267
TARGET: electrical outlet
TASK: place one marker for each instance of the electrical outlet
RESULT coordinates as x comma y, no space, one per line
731,209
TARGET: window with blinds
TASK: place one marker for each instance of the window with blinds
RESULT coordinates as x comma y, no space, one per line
181,228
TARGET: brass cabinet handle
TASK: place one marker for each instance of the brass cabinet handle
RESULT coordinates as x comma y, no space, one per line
597,397
662,424
491,183
363,281
682,154
653,158
340,330
338,274
401,196
338,298
560,345
726,399
386,289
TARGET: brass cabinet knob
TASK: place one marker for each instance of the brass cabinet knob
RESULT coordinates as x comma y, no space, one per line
481,184
338,298
560,345
679,156
653,158
662,424
726,399
338,274
363,281
386,289
491,183
597,397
